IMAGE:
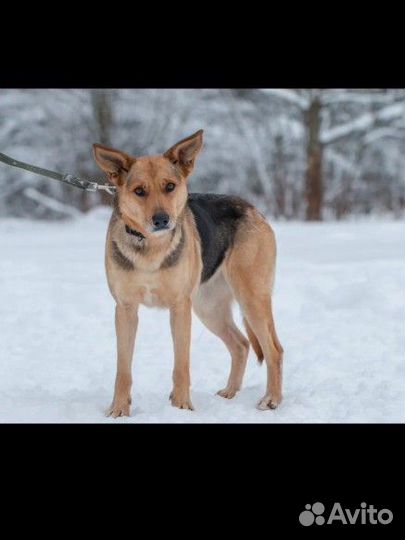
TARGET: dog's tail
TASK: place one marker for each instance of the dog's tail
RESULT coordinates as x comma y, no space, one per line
253,340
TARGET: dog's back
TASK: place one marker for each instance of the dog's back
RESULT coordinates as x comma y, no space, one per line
217,218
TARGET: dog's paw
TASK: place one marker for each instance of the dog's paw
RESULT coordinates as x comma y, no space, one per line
267,402
181,399
119,408
228,393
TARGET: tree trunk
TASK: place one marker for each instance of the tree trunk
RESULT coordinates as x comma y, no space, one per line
101,101
313,175
279,178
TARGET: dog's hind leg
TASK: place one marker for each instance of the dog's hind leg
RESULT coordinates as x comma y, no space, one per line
213,306
259,314
249,271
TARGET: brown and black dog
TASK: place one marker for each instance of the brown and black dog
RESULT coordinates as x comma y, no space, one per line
171,249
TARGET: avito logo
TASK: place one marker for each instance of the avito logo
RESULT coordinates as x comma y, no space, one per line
366,514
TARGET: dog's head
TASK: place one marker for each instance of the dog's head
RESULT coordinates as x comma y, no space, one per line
152,190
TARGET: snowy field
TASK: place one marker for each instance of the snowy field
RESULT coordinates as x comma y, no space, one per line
339,308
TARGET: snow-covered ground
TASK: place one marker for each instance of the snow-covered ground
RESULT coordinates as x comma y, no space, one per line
339,308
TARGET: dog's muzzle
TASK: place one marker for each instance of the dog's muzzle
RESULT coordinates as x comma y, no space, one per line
161,222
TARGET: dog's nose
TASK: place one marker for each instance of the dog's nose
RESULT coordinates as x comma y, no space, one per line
160,220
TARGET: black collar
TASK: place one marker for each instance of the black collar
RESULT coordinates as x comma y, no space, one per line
134,233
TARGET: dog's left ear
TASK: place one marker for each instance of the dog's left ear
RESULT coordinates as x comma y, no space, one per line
185,152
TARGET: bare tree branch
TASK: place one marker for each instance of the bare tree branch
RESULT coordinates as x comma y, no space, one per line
349,96
50,203
362,123
251,141
383,133
291,96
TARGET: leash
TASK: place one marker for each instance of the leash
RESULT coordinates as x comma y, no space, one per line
65,178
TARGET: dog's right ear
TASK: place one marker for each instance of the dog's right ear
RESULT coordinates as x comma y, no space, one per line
113,162
185,152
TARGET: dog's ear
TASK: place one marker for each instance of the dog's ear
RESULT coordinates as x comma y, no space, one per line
113,162
185,152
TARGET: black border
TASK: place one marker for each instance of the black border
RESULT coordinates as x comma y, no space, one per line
341,44
198,480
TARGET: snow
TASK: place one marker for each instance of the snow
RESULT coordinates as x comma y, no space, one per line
362,123
378,134
340,95
289,95
48,202
339,308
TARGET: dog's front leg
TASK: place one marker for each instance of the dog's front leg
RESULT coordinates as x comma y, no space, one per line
126,323
180,323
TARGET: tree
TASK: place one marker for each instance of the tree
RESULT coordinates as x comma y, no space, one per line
296,154
102,114
314,106
314,151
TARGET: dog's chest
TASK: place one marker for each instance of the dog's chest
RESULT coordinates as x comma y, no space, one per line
154,278
150,294
143,288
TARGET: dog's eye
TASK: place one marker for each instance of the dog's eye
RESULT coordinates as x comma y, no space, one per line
139,191
170,187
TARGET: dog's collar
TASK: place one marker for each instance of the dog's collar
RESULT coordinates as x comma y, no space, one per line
138,234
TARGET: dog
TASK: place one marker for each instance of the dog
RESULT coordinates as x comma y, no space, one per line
170,249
